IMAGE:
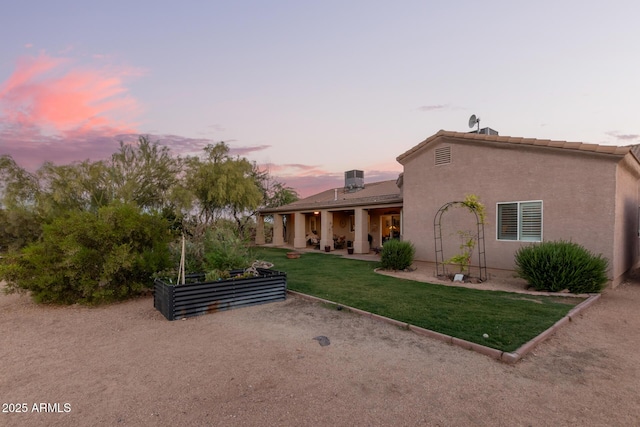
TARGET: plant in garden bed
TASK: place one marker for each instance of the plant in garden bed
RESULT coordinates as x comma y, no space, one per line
223,286
559,265
463,259
214,252
225,249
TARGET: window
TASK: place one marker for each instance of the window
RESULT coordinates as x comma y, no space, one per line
520,221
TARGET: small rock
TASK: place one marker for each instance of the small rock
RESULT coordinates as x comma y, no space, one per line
322,340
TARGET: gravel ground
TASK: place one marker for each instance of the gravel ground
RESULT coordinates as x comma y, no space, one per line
125,364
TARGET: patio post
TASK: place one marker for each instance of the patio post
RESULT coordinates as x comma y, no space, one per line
260,240
361,242
299,238
278,229
326,229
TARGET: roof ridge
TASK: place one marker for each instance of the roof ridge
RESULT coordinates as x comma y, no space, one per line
565,145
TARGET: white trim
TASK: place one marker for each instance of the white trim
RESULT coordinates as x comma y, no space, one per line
519,219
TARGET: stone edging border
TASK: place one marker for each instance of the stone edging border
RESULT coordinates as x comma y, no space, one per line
503,356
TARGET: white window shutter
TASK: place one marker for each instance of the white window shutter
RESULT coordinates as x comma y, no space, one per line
508,221
531,221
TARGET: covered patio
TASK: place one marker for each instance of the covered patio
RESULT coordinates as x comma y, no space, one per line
358,217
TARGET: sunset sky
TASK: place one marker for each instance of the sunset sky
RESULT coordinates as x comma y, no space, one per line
312,89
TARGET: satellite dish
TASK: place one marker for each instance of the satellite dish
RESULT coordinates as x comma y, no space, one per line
473,120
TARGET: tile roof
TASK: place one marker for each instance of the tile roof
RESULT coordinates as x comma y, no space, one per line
577,146
375,193
388,192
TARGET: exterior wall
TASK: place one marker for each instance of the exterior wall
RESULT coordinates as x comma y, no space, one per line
342,224
625,246
577,191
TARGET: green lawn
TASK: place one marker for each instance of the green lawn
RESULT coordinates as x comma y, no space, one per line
509,319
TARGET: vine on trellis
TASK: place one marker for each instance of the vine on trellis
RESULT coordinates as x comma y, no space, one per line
469,239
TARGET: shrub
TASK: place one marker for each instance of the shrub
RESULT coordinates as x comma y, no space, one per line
193,254
397,255
225,250
555,266
19,228
213,251
91,258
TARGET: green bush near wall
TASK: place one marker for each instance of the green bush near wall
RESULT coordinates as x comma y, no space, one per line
397,255
559,265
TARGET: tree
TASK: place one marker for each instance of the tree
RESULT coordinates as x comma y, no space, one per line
19,227
274,194
222,184
279,195
95,231
145,174
79,186
18,195
18,188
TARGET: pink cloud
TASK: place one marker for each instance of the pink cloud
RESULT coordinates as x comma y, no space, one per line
51,108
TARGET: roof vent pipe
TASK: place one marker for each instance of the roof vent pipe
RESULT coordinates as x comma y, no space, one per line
335,194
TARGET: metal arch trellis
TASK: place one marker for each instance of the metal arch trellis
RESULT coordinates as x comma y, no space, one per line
437,233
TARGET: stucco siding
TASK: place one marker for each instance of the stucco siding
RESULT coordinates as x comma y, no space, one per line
577,191
626,217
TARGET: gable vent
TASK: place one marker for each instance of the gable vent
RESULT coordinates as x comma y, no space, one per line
443,155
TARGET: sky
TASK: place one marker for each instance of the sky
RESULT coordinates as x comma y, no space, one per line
309,90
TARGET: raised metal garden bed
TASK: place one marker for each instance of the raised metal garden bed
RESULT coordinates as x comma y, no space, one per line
197,297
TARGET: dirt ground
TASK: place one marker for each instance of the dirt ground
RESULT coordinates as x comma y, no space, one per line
125,364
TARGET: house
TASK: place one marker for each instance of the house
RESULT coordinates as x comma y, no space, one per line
533,190
358,215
